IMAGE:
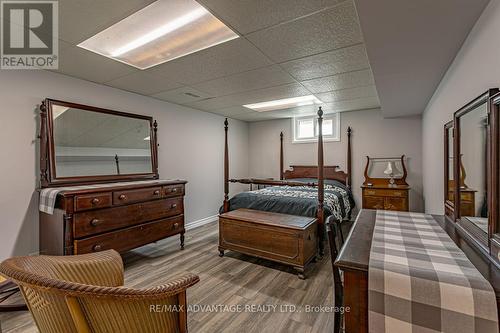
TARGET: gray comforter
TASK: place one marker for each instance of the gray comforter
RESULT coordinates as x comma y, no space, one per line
297,200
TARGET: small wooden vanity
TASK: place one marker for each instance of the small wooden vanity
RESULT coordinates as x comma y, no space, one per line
386,193
386,197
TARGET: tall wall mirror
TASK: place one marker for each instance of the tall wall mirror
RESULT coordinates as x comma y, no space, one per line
472,160
449,183
495,180
84,144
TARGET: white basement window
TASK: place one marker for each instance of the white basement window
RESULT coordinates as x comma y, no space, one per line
305,129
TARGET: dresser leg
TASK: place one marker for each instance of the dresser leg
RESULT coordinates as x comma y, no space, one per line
182,241
221,253
300,273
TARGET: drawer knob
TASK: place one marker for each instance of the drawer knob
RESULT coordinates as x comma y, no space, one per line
176,225
122,197
174,190
97,247
95,201
173,206
157,192
95,222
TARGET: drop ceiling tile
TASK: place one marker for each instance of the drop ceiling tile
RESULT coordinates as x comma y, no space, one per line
260,116
346,94
331,29
182,95
143,83
348,59
340,81
251,15
79,20
340,106
83,64
352,105
254,96
245,117
255,79
233,111
235,56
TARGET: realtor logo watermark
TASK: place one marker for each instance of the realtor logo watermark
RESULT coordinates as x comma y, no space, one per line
29,34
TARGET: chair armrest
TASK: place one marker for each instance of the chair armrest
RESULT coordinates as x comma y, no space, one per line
173,287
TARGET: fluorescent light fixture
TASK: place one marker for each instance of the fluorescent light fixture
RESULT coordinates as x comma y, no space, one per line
160,32
284,103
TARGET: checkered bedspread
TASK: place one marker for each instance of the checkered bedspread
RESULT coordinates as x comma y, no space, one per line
420,281
48,196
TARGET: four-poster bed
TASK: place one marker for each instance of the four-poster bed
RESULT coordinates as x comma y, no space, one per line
299,192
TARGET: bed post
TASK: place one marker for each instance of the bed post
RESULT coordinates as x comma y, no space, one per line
226,170
281,156
321,186
349,160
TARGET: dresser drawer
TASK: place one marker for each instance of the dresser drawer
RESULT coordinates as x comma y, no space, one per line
398,204
173,190
129,238
373,202
98,221
376,192
92,201
467,196
131,196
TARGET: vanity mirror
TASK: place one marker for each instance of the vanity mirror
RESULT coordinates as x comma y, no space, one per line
472,162
82,144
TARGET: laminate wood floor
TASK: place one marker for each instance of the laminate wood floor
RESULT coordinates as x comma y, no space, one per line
235,279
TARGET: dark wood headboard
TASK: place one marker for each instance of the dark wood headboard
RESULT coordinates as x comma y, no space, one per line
331,172
311,171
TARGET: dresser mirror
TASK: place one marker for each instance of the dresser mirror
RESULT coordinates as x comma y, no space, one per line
471,167
85,144
389,171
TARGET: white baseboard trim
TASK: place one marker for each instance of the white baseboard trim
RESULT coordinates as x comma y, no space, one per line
199,223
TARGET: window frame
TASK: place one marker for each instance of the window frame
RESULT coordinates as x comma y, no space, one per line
335,117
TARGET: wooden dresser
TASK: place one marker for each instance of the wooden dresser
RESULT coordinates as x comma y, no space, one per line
354,258
121,217
385,197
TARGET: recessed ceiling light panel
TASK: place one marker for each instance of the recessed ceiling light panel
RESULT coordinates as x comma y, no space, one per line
286,103
160,32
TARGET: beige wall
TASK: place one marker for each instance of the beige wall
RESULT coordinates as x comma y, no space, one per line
475,69
191,147
372,135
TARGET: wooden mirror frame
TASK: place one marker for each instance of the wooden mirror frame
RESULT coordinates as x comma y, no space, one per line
470,231
48,176
449,205
494,227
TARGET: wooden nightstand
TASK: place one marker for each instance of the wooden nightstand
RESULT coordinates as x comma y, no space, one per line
386,197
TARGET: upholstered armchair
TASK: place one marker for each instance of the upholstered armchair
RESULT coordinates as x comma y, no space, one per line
85,293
